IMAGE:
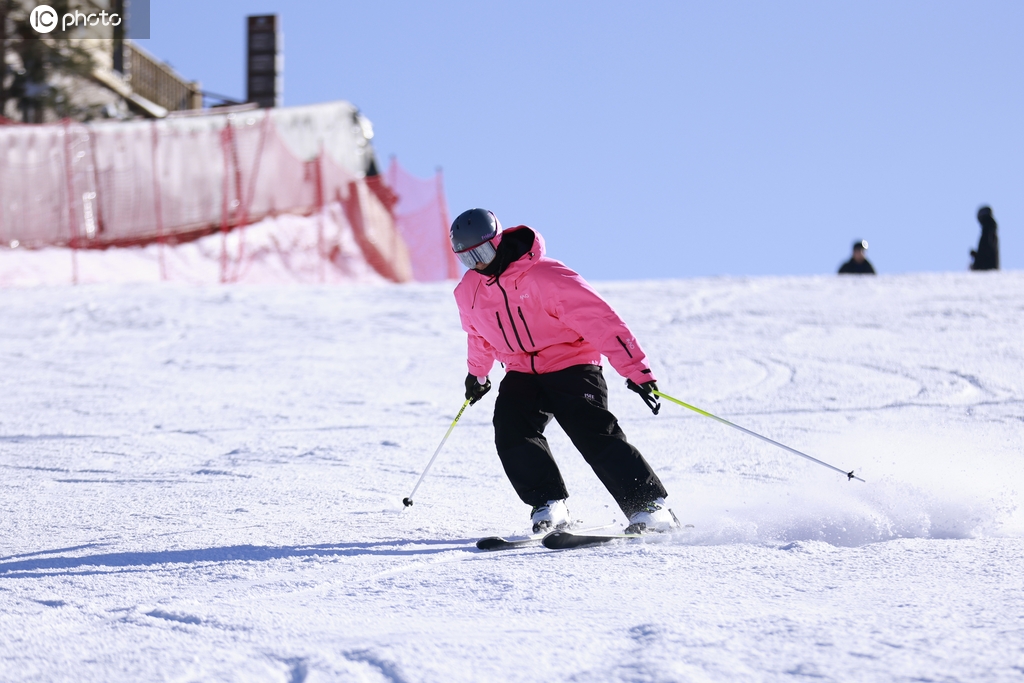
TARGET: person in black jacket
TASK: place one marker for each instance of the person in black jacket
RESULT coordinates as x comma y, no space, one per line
858,264
986,257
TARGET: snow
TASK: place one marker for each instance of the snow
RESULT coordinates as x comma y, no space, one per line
205,484
280,249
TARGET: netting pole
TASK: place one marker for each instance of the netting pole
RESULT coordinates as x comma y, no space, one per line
392,171
318,177
239,201
70,180
245,201
225,143
158,205
100,224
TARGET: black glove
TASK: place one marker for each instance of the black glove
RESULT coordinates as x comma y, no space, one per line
646,391
474,390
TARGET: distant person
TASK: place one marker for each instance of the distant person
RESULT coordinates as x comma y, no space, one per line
986,257
858,263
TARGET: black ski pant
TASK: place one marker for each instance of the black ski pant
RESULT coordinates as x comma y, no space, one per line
577,397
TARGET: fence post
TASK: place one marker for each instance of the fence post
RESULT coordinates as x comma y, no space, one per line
318,177
158,204
245,201
225,144
70,181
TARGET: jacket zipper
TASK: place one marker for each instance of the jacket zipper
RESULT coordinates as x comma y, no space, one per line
508,309
502,328
515,330
527,327
624,347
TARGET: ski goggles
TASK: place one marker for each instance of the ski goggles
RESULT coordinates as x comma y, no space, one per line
481,253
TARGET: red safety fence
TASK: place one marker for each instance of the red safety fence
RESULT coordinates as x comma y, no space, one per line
422,219
176,181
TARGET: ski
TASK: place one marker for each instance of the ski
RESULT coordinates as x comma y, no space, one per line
502,543
510,542
564,540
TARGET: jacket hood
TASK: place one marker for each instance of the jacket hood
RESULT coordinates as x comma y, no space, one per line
517,249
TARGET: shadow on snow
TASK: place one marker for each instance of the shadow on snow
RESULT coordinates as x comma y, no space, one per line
63,565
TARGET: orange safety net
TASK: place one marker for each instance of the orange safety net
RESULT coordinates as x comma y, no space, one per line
422,219
169,183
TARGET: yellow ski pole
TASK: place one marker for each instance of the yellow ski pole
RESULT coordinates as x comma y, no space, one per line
408,501
849,475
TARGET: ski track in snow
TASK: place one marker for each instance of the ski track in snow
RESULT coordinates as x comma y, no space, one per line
205,484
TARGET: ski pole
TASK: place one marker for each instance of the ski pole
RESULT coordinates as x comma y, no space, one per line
849,475
408,501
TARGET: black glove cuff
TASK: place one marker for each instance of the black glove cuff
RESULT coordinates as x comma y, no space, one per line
646,391
474,390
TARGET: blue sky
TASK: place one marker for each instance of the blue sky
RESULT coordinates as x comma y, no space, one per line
672,139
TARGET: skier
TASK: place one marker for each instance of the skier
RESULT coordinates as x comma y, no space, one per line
549,328
986,257
858,264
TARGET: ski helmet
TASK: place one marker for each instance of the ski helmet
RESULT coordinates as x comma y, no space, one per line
471,236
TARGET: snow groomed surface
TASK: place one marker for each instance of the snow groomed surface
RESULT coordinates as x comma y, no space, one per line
206,484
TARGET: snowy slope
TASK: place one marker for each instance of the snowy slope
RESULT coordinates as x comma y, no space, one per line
205,484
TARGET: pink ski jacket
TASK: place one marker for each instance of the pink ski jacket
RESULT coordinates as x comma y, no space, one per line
540,316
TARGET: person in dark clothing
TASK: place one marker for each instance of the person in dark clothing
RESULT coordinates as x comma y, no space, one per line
858,263
986,257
